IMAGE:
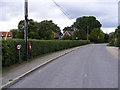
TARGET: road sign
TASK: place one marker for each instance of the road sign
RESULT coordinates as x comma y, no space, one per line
19,46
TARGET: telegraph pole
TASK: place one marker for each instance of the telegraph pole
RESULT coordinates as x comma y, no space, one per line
26,29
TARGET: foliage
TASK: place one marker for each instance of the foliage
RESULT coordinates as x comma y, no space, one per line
39,47
68,29
14,32
87,22
97,36
38,30
117,35
49,35
114,39
80,34
32,29
106,38
111,36
47,26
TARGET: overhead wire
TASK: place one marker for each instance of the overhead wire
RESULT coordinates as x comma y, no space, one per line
63,11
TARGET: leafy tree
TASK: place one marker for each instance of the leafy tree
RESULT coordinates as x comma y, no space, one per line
68,29
111,36
49,35
80,34
117,36
87,23
106,38
97,35
21,29
46,26
32,29
14,32
33,35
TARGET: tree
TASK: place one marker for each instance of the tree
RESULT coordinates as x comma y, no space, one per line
32,29
80,34
47,26
68,29
117,36
111,36
14,32
87,23
21,30
106,38
97,35
49,35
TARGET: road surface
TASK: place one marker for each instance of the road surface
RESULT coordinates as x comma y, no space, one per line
91,66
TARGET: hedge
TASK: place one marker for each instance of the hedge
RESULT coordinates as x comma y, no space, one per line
10,54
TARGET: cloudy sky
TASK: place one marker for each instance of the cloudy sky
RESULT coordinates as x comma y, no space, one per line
106,11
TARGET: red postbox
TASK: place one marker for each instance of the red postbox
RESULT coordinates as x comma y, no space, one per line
29,45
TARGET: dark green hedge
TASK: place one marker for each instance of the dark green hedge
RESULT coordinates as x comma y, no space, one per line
10,54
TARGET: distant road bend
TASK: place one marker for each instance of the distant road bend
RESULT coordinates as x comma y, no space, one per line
92,66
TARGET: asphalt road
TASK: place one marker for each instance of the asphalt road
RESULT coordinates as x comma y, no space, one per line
88,67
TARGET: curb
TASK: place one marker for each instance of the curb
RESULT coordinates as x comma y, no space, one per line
4,87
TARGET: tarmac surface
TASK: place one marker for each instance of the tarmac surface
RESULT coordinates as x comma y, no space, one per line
92,66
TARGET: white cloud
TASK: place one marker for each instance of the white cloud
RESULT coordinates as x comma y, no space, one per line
108,30
104,10
12,24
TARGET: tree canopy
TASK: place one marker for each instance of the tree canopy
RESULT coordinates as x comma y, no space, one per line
38,30
97,35
80,34
14,32
32,29
87,22
45,26
68,29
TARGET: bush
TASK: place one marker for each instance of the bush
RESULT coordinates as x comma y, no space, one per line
10,55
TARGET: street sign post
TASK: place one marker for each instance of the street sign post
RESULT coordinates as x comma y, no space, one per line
18,48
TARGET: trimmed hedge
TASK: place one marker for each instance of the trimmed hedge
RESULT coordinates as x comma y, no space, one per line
10,54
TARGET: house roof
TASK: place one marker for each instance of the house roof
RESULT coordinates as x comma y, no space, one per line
3,34
68,33
56,34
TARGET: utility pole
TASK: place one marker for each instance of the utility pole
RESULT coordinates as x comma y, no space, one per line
87,32
26,29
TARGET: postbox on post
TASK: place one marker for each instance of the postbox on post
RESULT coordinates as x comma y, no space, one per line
29,45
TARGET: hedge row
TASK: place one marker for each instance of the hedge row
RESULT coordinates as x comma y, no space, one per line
10,54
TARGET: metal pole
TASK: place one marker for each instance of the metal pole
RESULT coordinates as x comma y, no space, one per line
19,57
26,28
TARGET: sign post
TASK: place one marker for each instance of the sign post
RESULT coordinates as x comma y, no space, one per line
18,48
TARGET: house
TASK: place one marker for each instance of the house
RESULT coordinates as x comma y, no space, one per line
67,34
6,34
56,36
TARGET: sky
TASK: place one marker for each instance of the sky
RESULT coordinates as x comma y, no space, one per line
106,11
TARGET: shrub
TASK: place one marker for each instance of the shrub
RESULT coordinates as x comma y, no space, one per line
10,55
